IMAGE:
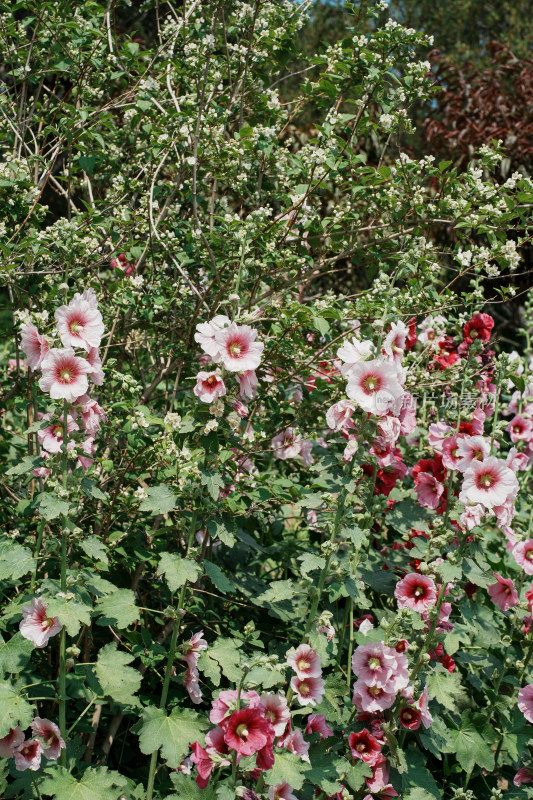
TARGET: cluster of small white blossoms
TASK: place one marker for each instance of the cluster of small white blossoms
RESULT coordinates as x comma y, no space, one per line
25,316
139,421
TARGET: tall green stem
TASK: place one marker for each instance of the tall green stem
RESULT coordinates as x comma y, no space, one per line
170,661
63,635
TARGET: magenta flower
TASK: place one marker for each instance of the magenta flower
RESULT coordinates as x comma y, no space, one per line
339,416
523,555
10,741
489,482
374,386
64,375
35,625
50,737
238,349
205,334
372,699
525,701
316,723
247,731
209,387
379,782
305,661
276,710
428,490
204,764
28,755
247,384
33,344
365,746
309,691
79,324
51,438
97,373
416,591
503,593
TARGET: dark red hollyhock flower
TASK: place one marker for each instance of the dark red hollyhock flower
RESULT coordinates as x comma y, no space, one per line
470,589
410,718
386,479
401,645
365,746
247,731
446,360
432,465
437,652
447,662
411,338
375,721
529,598
479,327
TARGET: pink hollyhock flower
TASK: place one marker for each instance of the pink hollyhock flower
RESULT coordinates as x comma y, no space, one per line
372,699
407,414
389,428
240,409
88,296
227,701
51,438
383,451
395,340
35,625
192,684
276,710
79,324
316,723
525,701
33,345
517,461
523,555
450,452
520,428
380,777
470,449
89,448
295,742
28,755
365,746
416,591
377,664
204,764
428,490
339,416
64,375
209,387
305,661
309,691
472,516
205,334
422,706
305,452
478,327
247,731
350,450
193,648
410,718
489,482
282,791
10,741
248,384
524,775
238,349
503,593
287,444
352,352
432,329
97,373
50,736
374,386
92,414
438,432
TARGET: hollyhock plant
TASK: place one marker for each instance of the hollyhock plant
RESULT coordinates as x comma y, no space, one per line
489,482
371,698
305,662
377,664
287,444
365,746
416,591
410,718
79,324
352,352
64,375
8,743
51,437
429,491
316,723
28,755
523,555
36,625
209,387
33,345
503,593
248,384
470,449
308,691
226,702
205,334
339,416
97,372
92,414
276,710
282,791
238,349
478,327
50,737
525,701
374,387
248,731
395,340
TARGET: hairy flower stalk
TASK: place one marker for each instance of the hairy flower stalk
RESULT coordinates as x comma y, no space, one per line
63,635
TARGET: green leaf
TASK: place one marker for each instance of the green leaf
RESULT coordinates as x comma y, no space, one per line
97,783
187,788
50,506
15,561
173,733
356,774
217,577
178,571
15,653
309,562
418,779
92,490
14,709
225,652
214,483
288,767
279,599
87,163
446,687
25,465
407,515
222,528
321,325
325,769
117,679
160,500
118,609
94,548
470,742
71,614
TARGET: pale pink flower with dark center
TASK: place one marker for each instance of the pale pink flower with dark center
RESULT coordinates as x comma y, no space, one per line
209,387
350,353
192,684
97,373
450,452
517,461
51,437
305,661
10,741
472,516
238,349
88,296
282,791
191,650
432,329
50,737
471,448
316,723
489,482
416,591
309,691
64,375
525,701
92,414
503,593
35,625
28,755
374,386
389,427
520,428
33,344
295,742
287,444
422,705
394,344
339,416
371,699
205,334
524,775
523,555
377,664
79,324
276,710
248,384
438,431
428,490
